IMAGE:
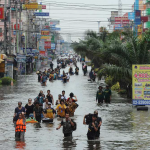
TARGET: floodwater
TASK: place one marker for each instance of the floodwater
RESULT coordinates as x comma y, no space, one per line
123,127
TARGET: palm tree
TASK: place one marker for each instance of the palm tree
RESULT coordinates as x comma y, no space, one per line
122,55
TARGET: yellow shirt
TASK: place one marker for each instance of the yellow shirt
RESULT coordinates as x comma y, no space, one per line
49,113
61,110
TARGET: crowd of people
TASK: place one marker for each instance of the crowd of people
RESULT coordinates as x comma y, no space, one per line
54,73
44,106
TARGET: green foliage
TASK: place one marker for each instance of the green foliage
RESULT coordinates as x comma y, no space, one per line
96,70
114,56
115,87
6,80
122,92
109,80
89,63
0,82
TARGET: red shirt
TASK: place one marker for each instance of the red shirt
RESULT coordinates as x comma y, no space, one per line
72,99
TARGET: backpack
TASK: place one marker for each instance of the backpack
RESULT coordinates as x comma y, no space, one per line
88,118
74,127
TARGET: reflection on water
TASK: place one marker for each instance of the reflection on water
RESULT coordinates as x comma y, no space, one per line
122,126
94,145
69,143
20,145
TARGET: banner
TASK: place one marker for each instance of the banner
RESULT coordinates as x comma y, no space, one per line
140,28
41,14
1,12
137,20
131,15
141,84
136,5
47,45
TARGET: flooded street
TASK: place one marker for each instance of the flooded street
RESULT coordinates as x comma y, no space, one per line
123,127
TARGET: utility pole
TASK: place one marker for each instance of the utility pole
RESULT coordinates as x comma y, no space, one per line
98,25
17,26
5,26
20,25
10,27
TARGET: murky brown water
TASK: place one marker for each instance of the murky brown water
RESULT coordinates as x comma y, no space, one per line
122,128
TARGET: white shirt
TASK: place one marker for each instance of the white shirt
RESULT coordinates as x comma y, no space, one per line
63,97
45,106
68,77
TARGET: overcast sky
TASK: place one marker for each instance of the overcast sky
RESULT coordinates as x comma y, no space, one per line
78,16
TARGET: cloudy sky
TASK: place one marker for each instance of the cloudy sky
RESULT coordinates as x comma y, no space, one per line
78,16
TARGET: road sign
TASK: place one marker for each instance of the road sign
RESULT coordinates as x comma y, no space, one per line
41,14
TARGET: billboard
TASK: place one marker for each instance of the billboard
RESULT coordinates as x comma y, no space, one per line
144,18
43,6
131,15
1,12
45,37
113,15
30,6
52,45
137,19
121,20
42,53
47,44
43,32
141,84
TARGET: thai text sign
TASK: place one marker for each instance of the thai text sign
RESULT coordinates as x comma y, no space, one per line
121,20
43,6
1,12
45,37
41,14
141,84
30,6
44,32
47,45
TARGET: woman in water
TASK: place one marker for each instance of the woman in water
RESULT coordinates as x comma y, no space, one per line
29,108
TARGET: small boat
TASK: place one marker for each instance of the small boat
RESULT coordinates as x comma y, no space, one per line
30,120
47,120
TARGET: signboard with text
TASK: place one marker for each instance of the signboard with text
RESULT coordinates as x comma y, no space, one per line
1,12
44,32
47,44
30,6
141,84
41,14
